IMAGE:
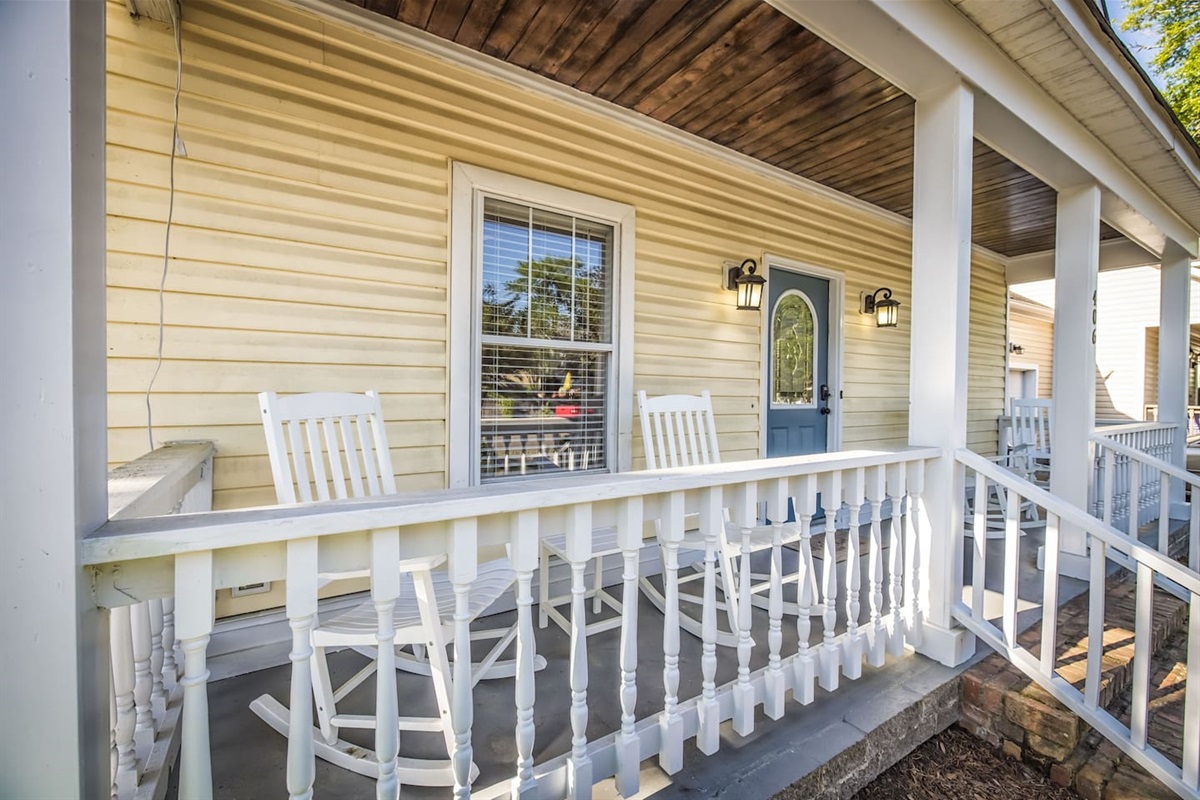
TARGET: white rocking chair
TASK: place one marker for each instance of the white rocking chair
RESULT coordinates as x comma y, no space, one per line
335,446
679,431
1032,423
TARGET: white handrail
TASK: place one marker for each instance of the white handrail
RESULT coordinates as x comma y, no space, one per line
1105,543
1162,466
1072,515
125,540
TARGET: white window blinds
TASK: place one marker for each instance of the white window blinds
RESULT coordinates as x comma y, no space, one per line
546,341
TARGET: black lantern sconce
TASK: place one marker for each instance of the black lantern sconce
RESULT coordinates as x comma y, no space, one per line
881,304
1016,349
747,283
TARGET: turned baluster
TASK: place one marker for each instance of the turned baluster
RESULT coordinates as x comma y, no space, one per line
895,482
877,634
712,520
525,559
914,520
124,716
805,499
853,645
193,624
629,538
744,514
158,694
829,656
579,550
670,723
775,683
170,667
143,683
463,569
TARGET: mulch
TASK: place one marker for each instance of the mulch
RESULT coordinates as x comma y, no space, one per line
955,764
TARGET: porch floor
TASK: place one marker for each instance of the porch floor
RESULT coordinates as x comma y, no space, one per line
249,759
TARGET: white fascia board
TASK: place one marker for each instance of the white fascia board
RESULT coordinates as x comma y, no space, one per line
1114,254
1080,25
921,46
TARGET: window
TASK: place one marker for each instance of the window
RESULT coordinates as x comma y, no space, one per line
794,352
539,368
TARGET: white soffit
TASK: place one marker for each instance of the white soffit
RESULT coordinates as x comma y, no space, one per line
920,46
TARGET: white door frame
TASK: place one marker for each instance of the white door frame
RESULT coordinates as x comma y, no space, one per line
836,323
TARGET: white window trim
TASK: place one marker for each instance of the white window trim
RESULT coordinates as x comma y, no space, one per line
468,182
816,358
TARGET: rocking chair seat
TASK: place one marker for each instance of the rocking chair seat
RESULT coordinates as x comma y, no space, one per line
353,625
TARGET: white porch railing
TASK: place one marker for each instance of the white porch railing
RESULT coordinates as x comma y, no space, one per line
1133,488
1105,544
1193,419
146,697
193,555
1150,439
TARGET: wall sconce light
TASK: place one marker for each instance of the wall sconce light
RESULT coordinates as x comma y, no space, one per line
885,309
748,285
1016,349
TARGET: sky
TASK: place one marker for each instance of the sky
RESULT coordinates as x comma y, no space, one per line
1141,43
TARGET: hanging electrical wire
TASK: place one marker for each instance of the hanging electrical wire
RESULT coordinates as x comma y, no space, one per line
162,283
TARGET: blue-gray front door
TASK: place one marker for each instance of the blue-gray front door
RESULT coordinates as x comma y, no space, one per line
799,397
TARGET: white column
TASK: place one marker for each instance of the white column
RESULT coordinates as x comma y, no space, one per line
1076,261
55,655
1173,337
941,275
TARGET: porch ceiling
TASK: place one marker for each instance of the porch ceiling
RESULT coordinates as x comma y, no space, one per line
743,75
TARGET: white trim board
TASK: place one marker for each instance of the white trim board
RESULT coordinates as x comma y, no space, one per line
467,183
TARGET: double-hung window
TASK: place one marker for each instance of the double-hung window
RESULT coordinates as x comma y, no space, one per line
539,354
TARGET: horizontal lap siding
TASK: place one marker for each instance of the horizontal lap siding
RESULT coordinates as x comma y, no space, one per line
1035,335
309,244
988,343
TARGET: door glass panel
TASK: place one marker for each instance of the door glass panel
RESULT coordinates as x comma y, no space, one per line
793,351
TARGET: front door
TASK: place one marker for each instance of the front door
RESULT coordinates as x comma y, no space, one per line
798,391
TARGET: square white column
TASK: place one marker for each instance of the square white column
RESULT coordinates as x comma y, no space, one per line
1076,266
937,415
53,473
1173,338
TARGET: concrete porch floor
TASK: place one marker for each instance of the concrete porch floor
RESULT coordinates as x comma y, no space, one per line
879,718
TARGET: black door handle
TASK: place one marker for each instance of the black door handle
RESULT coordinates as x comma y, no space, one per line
825,393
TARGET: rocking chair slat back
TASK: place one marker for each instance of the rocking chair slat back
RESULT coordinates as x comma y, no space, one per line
335,446
678,430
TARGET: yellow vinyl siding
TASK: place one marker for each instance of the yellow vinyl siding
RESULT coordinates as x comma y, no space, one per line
310,242
1036,336
986,363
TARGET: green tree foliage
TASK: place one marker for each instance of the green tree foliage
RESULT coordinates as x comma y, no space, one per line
1176,24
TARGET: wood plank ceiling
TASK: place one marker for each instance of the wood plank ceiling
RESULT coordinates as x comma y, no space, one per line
741,74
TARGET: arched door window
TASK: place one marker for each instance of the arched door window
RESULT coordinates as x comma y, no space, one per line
793,351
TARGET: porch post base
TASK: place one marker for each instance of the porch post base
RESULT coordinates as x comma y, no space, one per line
1073,565
948,646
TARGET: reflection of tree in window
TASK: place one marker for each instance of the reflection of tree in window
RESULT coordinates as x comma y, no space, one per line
547,330
793,350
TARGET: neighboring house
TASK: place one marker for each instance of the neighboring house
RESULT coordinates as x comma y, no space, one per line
508,219
1126,338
